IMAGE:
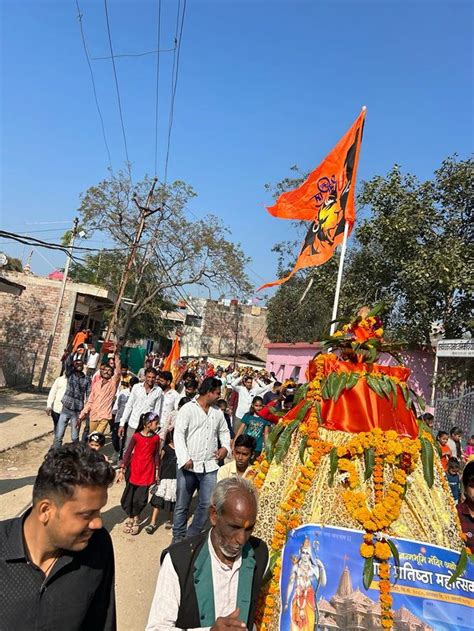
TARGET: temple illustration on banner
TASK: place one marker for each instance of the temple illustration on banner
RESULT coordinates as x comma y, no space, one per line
351,610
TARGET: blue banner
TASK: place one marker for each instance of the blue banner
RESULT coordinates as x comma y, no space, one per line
321,585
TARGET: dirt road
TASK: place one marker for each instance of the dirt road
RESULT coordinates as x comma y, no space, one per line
136,558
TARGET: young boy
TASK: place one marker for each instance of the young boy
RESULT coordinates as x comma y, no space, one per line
452,476
243,451
442,439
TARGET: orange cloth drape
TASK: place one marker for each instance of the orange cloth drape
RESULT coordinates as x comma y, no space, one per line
171,362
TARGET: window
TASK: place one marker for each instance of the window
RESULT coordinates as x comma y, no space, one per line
193,320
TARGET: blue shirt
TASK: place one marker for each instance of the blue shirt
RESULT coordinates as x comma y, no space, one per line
255,427
454,485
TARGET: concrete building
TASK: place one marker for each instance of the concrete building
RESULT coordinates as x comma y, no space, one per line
211,328
26,321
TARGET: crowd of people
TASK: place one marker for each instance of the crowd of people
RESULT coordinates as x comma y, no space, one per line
173,438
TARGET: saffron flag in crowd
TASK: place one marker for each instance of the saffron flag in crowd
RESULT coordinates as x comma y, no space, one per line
171,362
326,199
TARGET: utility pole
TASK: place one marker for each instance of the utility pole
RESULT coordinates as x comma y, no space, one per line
237,318
145,211
60,301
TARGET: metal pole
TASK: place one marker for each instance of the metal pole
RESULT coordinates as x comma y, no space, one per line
339,280
435,376
58,307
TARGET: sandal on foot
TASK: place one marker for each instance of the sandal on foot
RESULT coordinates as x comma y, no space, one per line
135,529
151,528
169,525
127,527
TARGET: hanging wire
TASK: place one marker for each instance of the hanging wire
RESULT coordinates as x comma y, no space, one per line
157,86
118,91
96,99
174,81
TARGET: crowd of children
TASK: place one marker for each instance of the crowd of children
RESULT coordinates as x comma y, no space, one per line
453,457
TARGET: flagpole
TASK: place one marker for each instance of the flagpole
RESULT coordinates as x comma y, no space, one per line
339,279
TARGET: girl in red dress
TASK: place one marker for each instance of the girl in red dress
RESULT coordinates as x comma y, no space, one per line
141,460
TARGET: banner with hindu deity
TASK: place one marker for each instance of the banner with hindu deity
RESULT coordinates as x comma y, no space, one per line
321,585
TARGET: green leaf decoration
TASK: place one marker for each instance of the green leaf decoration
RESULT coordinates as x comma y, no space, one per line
421,402
376,309
384,383
333,459
427,457
325,389
332,384
301,393
284,441
352,380
277,412
369,462
409,402
395,555
272,439
460,567
368,573
319,414
303,411
341,384
271,566
374,385
302,448
406,394
393,387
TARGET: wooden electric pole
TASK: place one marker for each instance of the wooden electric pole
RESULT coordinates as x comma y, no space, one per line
145,212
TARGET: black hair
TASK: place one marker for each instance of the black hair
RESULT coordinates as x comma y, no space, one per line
456,431
124,366
208,385
453,462
166,375
68,466
277,384
151,369
427,417
244,440
169,436
254,401
192,382
146,418
220,402
182,401
441,433
96,437
133,381
468,473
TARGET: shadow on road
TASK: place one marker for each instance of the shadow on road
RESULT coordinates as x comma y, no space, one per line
10,485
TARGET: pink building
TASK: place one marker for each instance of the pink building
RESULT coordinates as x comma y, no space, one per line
291,360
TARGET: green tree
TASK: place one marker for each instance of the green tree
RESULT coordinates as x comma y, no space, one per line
175,251
413,251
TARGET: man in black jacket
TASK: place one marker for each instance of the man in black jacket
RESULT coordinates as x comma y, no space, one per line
213,580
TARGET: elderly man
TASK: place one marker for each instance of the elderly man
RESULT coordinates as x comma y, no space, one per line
200,427
101,398
56,560
77,391
213,580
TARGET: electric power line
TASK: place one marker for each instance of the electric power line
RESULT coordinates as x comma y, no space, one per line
79,15
174,80
157,86
117,90
148,52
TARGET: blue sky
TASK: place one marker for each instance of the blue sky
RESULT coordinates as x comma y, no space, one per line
262,85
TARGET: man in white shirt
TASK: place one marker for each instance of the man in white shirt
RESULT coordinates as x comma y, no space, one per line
144,397
164,380
247,391
54,404
212,581
92,361
198,427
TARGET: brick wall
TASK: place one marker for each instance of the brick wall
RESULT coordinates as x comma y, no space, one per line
26,321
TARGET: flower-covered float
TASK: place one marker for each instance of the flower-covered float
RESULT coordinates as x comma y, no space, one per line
361,525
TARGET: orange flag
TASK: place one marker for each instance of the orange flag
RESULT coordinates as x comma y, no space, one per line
171,362
326,199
